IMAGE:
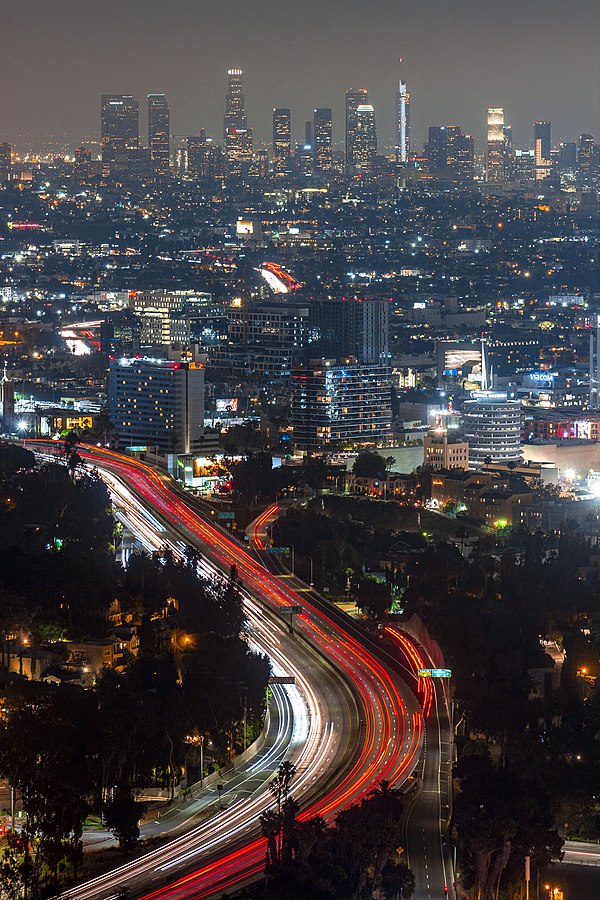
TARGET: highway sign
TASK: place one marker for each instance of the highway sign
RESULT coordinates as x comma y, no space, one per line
226,515
434,673
282,551
293,610
282,679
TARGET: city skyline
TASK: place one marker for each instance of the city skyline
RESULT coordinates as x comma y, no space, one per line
454,67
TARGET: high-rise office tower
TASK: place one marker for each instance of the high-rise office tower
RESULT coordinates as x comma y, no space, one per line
119,130
365,140
541,137
282,141
308,137
260,165
403,122
204,158
83,163
322,139
541,149
495,157
236,134
354,99
509,153
304,162
464,158
235,112
437,147
5,162
350,326
159,132
451,153
587,164
567,157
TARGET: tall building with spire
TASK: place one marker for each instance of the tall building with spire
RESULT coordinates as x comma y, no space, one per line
403,122
354,99
159,132
494,169
237,137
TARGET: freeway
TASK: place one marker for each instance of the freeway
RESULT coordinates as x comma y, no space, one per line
365,723
427,846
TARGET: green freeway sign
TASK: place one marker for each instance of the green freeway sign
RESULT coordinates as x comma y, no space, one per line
282,551
225,515
434,673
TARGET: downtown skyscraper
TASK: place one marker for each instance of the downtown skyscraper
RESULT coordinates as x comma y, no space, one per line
354,99
282,141
237,137
322,139
159,132
119,129
403,122
494,168
365,141
541,149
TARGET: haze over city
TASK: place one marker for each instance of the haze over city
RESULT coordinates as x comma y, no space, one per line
539,60
300,450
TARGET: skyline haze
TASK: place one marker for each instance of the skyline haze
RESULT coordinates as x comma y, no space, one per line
458,62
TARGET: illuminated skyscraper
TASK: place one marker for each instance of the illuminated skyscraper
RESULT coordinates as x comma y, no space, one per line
204,158
403,122
235,113
464,158
159,133
236,134
567,157
5,162
437,147
541,149
83,163
322,140
119,130
495,145
365,141
354,99
282,141
587,163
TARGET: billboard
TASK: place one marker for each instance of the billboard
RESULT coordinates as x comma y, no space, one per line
228,404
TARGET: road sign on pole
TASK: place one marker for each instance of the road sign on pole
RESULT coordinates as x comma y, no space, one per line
434,673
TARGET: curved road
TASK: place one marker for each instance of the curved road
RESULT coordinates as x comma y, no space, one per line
365,723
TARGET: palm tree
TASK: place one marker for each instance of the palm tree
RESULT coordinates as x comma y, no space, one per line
270,826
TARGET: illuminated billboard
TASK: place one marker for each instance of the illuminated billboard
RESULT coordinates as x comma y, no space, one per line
229,404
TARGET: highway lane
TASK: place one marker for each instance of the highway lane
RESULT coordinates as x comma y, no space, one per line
320,710
428,850
427,847
240,782
391,725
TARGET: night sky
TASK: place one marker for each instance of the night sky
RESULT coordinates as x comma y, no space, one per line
537,58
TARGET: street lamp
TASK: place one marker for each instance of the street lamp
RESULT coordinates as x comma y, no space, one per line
22,428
